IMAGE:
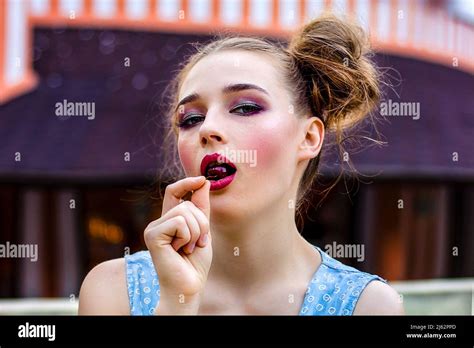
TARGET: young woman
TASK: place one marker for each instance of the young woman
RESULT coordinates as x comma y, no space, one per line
234,247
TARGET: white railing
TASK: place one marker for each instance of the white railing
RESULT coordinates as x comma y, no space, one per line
437,296
38,306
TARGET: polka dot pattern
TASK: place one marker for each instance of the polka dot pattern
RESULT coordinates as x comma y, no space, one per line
142,283
333,290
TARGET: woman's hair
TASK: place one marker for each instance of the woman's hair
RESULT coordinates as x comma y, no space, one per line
326,67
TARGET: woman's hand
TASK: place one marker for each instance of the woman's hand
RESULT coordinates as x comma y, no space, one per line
180,245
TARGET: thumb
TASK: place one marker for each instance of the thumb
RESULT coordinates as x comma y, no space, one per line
200,198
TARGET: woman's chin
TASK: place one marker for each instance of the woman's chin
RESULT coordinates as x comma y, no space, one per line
225,204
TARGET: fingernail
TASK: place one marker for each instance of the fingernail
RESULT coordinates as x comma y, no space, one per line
191,249
204,239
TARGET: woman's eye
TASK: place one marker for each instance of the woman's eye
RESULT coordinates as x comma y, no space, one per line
190,121
247,109
242,109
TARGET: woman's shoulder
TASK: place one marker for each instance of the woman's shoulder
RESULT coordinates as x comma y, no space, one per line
104,290
120,286
337,288
379,298
376,296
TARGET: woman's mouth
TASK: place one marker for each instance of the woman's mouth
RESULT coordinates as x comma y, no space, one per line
218,170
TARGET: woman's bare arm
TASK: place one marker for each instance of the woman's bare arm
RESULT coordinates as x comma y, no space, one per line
379,298
104,290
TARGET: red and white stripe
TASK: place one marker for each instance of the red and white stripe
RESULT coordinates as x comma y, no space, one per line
405,27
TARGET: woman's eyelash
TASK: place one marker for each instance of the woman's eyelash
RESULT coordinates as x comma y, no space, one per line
190,121
185,123
253,107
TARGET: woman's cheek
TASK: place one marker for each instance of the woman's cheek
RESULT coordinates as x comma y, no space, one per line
273,154
267,150
187,159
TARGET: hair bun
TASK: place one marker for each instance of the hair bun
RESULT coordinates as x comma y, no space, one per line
342,82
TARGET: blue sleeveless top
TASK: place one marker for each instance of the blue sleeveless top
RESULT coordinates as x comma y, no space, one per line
334,288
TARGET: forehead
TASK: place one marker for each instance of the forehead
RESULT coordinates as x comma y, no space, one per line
235,66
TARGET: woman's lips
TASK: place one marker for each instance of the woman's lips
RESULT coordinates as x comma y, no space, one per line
221,183
214,160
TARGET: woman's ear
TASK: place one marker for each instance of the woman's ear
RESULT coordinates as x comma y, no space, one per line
310,147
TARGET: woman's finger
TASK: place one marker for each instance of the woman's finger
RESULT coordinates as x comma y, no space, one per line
175,228
204,225
200,198
176,191
197,223
185,209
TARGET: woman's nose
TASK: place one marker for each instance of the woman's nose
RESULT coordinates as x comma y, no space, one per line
210,131
210,138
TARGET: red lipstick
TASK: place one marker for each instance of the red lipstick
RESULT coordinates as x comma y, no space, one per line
219,170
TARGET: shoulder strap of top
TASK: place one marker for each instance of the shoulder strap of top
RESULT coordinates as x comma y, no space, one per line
335,288
142,283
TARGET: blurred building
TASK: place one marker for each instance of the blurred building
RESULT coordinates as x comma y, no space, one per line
82,188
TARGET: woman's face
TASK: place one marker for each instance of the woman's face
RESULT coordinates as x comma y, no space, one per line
240,108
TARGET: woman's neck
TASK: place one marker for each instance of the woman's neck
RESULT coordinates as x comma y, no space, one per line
263,250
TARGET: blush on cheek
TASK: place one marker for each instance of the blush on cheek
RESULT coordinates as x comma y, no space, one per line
271,141
267,149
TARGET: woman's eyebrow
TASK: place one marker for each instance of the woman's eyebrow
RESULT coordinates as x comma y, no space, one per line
241,87
226,90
